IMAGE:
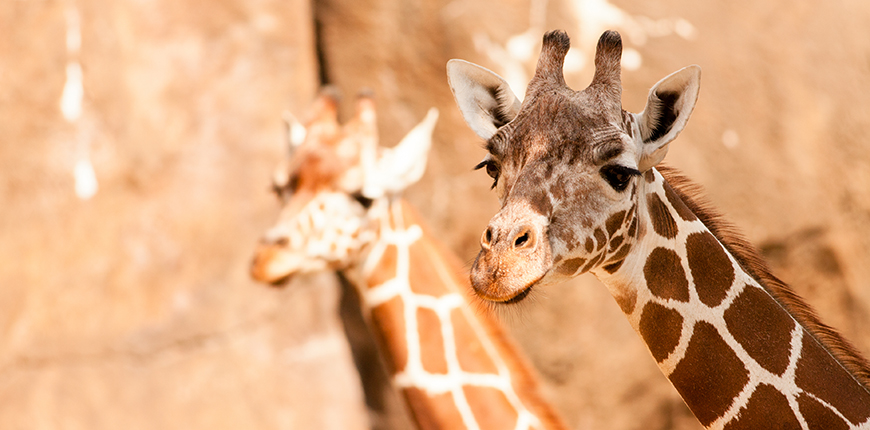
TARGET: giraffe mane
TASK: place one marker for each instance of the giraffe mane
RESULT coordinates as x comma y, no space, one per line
753,263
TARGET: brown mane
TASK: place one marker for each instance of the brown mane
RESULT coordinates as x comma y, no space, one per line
752,262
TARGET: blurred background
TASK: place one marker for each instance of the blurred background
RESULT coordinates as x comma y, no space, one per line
137,139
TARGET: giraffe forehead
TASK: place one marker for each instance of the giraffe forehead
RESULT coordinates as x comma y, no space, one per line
569,124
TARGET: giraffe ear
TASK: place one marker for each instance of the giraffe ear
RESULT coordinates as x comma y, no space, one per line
484,98
401,166
668,108
295,132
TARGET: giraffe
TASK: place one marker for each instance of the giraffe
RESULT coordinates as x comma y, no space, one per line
343,210
582,190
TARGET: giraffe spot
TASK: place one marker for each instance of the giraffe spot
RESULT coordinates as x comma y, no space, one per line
541,204
677,203
490,406
660,328
650,176
427,275
665,276
766,409
600,238
632,228
621,253
590,245
662,220
432,353
473,357
618,258
433,411
615,242
385,269
389,319
762,327
593,263
818,374
711,268
710,375
818,416
570,266
613,267
626,300
614,222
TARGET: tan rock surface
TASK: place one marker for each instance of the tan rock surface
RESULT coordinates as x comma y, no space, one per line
133,309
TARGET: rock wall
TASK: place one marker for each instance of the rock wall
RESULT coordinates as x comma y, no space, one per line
127,220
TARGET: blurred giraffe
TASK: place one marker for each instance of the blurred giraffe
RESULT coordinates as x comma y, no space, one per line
342,210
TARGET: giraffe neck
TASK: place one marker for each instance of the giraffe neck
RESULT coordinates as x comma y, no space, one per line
739,357
454,366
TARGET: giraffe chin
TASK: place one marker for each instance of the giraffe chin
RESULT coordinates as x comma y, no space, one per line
519,297
514,295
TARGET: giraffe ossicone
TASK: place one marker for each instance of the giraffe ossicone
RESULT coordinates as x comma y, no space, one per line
342,210
582,190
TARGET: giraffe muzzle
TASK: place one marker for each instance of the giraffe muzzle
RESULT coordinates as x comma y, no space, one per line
513,258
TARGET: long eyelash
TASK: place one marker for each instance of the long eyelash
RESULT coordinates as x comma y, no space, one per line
483,164
633,172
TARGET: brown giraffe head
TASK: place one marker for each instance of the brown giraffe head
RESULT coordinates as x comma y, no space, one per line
333,186
566,164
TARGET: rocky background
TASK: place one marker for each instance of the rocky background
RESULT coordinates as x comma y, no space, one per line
137,140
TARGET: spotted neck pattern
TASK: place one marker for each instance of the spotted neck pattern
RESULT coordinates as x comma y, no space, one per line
739,357
455,366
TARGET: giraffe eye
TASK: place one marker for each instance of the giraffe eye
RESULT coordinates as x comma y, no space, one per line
491,169
284,188
618,176
363,200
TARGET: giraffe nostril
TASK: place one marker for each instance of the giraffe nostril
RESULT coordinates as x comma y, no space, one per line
282,241
522,240
486,240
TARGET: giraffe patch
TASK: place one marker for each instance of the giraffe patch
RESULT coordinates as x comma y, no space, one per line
767,409
440,409
389,317
762,327
710,375
632,228
614,243
470,358
616,260
711,268
600,238
665,276
594,262
385,269
818,374
682,210
614,222
570,266
818,416
490,406
432,354
660,328
662,221
626,298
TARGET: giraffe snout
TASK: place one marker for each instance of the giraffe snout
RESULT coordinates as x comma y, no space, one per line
523,237
513,257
